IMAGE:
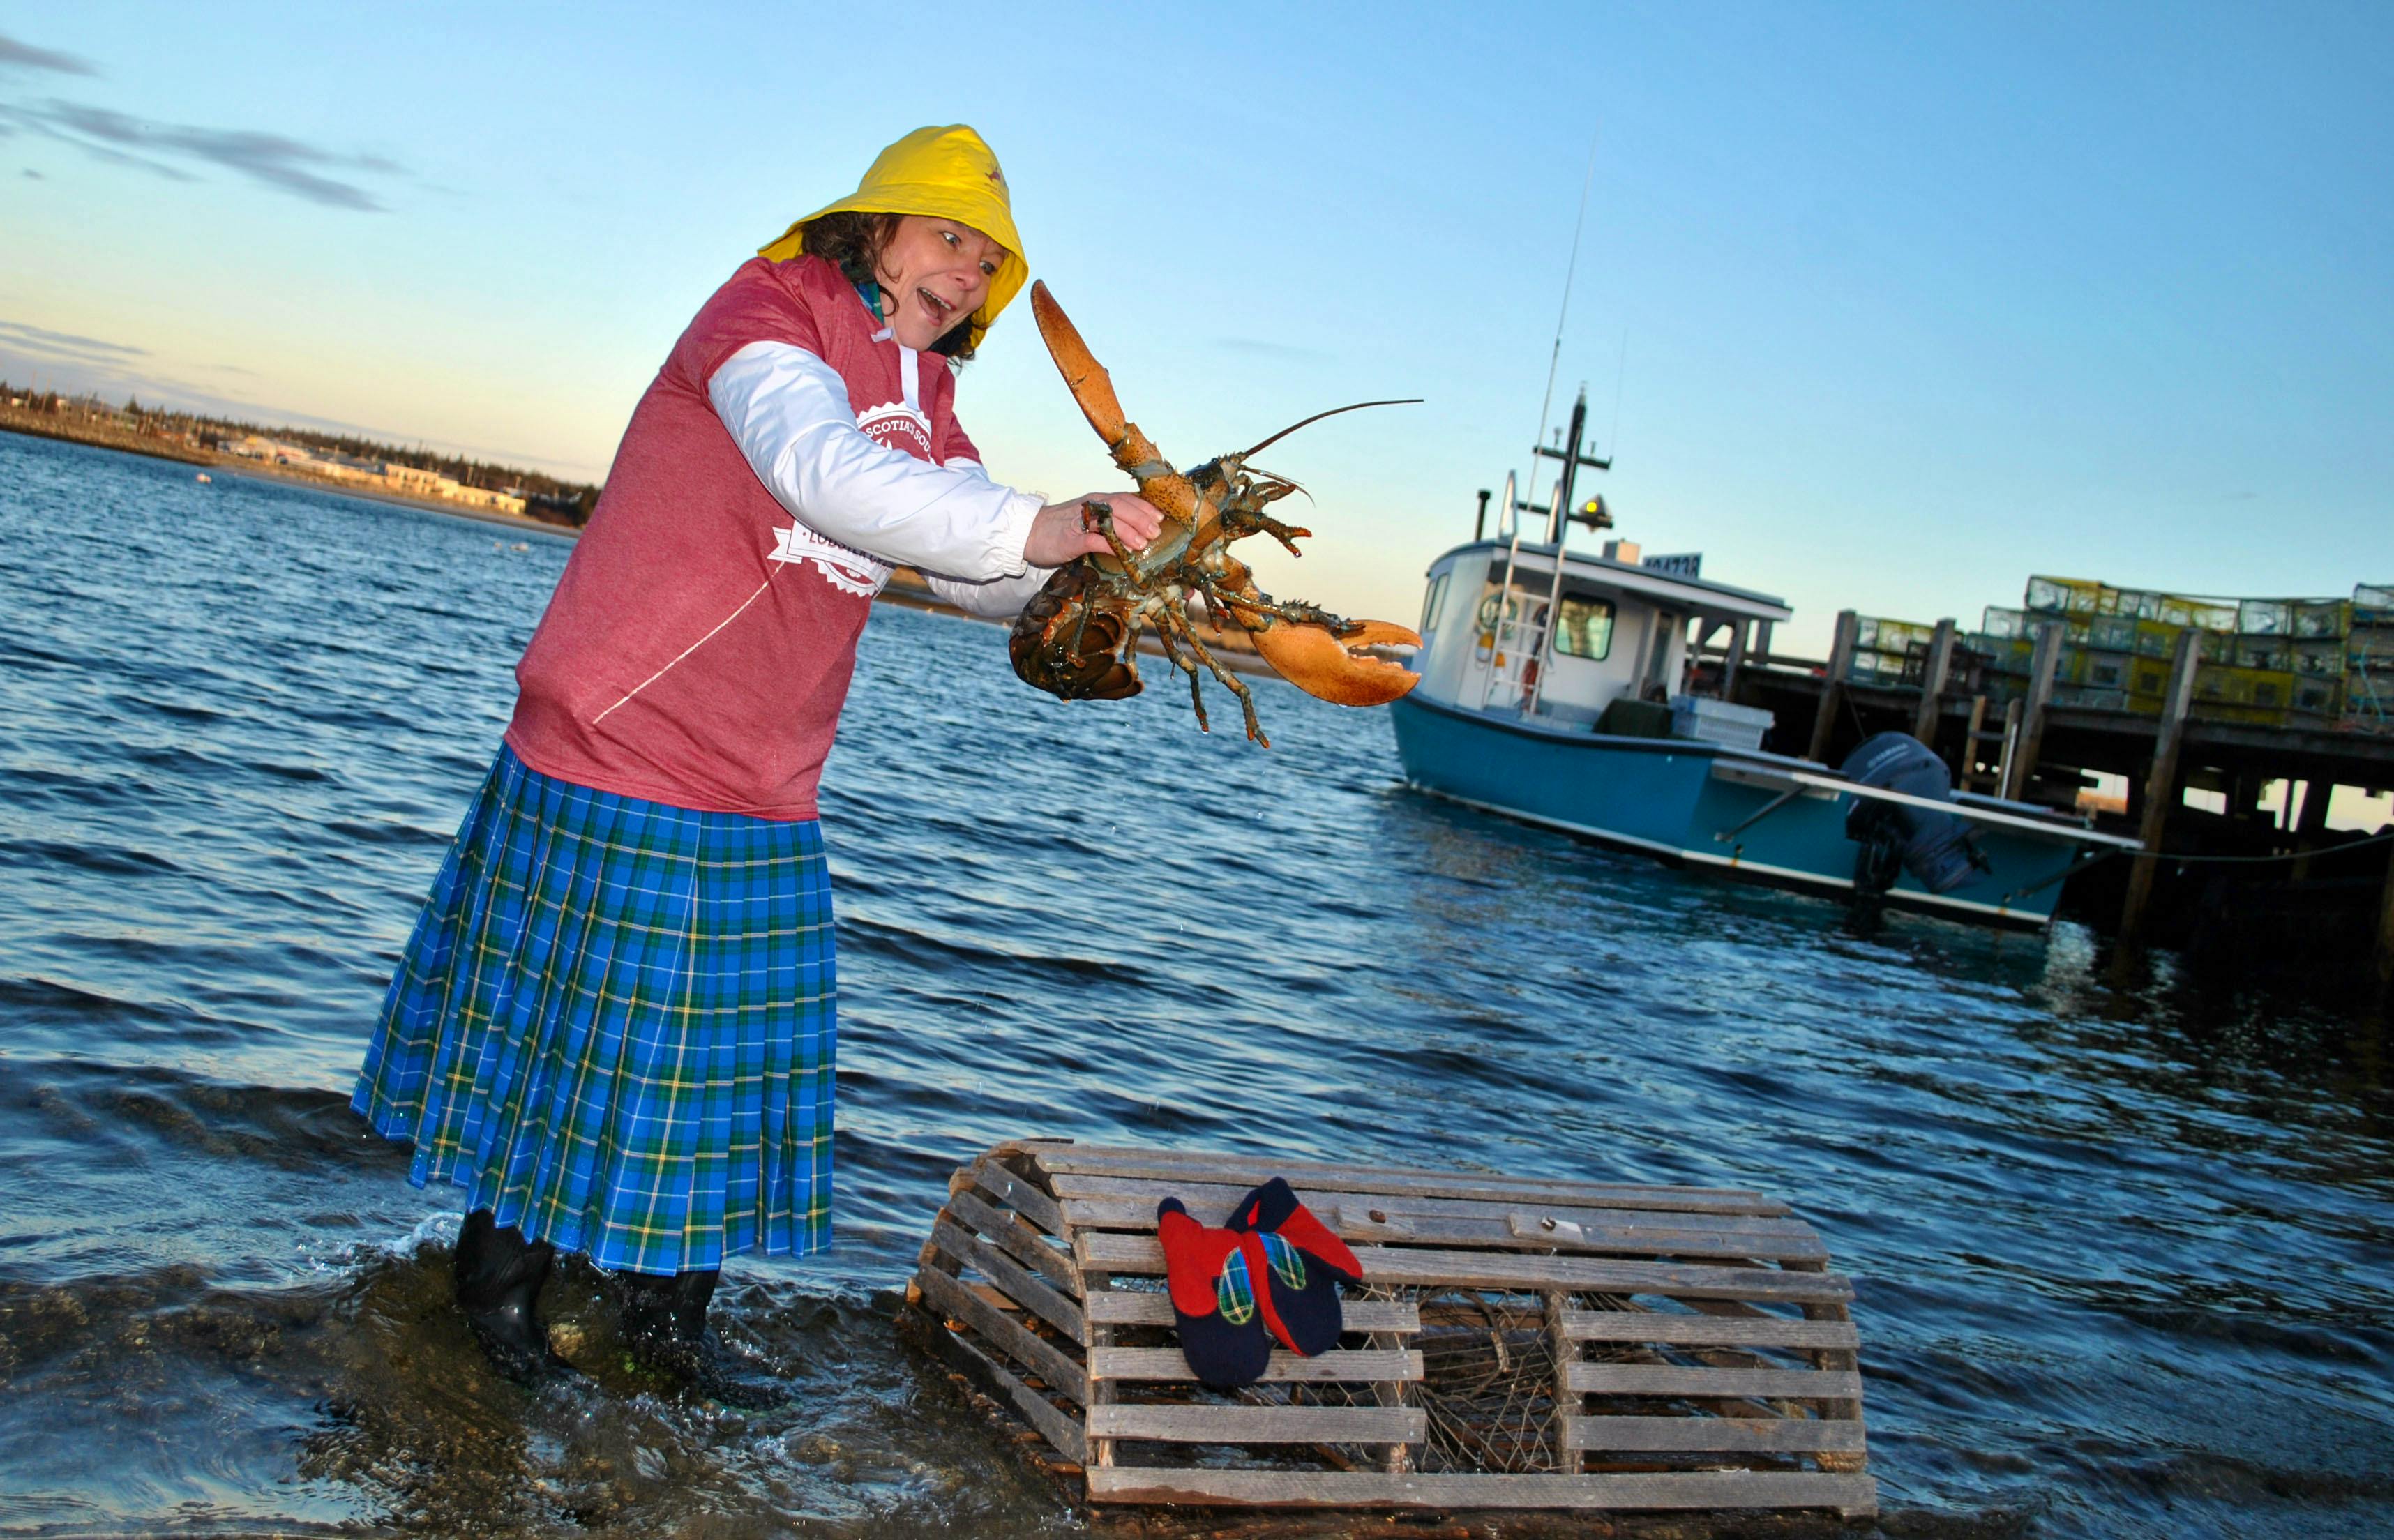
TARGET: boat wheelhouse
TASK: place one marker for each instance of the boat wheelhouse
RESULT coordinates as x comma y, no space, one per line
1561,637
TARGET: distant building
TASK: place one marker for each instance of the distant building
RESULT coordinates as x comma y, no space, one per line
257,446
431,483
411,480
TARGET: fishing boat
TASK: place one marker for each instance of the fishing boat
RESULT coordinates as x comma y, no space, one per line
1556,688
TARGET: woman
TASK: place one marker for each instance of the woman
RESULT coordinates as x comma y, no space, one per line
614,1025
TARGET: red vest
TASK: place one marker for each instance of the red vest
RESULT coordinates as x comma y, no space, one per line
676,662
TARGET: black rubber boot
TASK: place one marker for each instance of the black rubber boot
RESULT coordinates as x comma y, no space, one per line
499,1274
664,1319
664,1326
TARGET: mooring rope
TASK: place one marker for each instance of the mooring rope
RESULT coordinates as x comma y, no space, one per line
2378,838
2088,863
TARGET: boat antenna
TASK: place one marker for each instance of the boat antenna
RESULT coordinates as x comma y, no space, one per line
1620,377
1553,361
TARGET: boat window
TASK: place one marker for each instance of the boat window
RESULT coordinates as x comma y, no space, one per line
1586,629
1430,604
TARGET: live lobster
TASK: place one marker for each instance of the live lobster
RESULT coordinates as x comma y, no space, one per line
1078,637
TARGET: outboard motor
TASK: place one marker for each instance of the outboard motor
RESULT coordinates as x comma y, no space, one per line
1934,847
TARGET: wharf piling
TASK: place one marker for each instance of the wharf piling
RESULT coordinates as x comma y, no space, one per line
1832,686
2027,748
2158,787
2384,953
1932,686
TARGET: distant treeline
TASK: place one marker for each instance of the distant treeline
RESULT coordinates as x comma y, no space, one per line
545,496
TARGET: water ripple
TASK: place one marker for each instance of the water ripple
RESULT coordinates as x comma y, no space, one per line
2123,1259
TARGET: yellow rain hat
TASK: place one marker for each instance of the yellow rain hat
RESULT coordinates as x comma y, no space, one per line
946,173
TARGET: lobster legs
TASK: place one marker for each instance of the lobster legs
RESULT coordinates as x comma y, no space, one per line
1077,638
1170,624
1173,631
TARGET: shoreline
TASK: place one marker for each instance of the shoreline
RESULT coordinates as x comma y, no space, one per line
236,467
16,420
36,424
906,588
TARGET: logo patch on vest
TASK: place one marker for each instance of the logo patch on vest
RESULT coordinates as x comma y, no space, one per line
898,425
894,425
844,567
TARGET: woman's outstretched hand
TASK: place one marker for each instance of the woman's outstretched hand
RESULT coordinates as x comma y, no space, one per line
1065,529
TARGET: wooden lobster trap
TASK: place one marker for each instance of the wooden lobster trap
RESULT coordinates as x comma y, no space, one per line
1516,1344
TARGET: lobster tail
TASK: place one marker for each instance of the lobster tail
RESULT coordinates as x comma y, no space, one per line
1072,644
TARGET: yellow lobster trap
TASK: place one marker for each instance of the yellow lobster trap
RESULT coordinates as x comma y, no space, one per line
1516,1343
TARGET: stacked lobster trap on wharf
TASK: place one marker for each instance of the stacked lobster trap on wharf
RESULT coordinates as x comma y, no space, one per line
1514,1344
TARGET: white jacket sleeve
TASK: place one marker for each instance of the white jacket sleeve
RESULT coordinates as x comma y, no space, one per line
1001,598
790,414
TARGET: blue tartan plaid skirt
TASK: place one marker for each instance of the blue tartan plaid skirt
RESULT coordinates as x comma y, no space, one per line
615,1026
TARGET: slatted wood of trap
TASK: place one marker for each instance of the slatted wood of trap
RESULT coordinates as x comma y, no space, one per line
1516,1343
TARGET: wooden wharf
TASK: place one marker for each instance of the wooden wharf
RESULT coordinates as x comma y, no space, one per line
2037,749
1516,1344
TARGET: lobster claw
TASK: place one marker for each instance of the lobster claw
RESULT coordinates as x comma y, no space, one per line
1331,668
1092,388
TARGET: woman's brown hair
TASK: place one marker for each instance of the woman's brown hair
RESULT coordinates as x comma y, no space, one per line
852,242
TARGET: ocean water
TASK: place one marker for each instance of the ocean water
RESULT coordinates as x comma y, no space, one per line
2124,1261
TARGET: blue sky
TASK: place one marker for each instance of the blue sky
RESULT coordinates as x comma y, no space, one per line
1893,305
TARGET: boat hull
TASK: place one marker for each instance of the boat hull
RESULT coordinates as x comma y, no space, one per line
1701,805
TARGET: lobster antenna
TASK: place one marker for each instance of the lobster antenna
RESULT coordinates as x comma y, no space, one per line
1358,406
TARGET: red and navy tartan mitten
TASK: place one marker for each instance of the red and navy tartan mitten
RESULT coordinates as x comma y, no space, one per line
1216,1297
1303,1265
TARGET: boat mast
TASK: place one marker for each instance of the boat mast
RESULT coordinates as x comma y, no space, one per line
1558,523
1561,516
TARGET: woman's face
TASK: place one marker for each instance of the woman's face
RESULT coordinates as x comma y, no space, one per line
933,273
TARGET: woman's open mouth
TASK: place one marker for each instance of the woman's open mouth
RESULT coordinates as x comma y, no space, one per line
938,310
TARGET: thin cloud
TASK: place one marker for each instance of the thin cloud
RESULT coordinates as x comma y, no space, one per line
66,345
1261,349
274,160
33,121
24,55
73,365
